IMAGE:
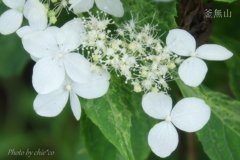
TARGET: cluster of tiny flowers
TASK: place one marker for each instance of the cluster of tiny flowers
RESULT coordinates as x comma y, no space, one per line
132,51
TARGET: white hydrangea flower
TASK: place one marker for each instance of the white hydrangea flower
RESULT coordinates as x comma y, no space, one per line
189,114
37,19
53,49
193,70
113,7
51,104
12,19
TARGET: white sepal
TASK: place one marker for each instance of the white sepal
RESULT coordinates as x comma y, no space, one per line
57,34
163,139
181,42
13,3
75,105
77,67
29,5
193,71
190,114
113,7
157,105
23,31
50,105
96,87
80,6
72,31
34,58
48,75
10,21
37,19
40,44
213,52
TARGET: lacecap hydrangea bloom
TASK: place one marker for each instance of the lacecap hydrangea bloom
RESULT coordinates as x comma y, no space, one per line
37,19
52,49
132,51
12,19
189,114
193,70
51,104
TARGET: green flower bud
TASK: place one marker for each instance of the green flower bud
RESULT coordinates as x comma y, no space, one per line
53,19
51,13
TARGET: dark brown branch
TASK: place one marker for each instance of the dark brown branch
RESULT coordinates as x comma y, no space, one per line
191,14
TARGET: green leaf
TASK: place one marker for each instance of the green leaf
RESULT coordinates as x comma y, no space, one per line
3,7
232,63
229,1
98,147
13,58
111,115
141,125
162,14
226,33
81,150
221,135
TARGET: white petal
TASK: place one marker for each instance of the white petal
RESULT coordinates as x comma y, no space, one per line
72,31
23,31
48,75
50,105
113,7
163,139
157,105
34,58
37,19
97,87
10,21
181,42
13,3
40,44
80,6
29,5
57,34
213,52
190,114
75,105
77,67
193,71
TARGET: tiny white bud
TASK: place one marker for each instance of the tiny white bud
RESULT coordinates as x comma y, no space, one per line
114,46
95,57
53,19
137,88
132,46
171,65
101,36
154,89
144,73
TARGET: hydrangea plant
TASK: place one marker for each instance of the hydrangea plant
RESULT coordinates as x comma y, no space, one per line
117,63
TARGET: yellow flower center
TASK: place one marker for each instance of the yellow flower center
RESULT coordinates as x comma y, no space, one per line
168,119
68,88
